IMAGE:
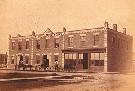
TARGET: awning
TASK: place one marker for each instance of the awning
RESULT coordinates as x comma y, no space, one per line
84,50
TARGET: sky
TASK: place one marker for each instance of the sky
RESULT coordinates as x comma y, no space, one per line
24,16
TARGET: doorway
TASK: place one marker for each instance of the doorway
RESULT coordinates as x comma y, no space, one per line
85,60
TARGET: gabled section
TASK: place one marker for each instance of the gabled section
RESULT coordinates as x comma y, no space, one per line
48,32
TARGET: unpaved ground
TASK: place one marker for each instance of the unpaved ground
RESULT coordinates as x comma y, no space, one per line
108,82
79,82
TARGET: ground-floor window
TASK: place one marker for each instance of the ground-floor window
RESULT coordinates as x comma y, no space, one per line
37,59
26,59
69,63
12,59
97,59
97,62
80,55
70,56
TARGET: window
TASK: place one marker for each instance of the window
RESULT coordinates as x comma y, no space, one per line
81,56
96,39
38,44
118,43
37,59
26,59
83,40
56,57
101,56
74,56
56,43
13,45
95,56
70,56
12,60
97,59
19,45
127,47
66,56
47,43
70,41
27,45
113,41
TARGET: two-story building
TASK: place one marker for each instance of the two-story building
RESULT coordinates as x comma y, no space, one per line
99,49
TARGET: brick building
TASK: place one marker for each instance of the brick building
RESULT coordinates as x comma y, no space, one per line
97,49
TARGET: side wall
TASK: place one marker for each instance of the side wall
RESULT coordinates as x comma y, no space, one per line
119,52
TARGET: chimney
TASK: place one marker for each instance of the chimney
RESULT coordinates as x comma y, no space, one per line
124,30
9,36
115,27
64,29
106,25
33,33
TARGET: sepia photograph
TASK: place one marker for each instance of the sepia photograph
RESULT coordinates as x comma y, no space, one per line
67,45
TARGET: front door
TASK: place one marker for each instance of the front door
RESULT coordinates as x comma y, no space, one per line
85,60
45,59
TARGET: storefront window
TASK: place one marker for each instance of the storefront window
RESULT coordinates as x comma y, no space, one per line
81,56
74,56
97,59
66,56
101,56
70,56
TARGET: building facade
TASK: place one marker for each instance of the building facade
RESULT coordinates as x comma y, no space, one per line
99,49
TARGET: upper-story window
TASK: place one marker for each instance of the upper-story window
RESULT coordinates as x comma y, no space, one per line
47,43
96,40
19,45
83,40
56,43
27,45
38,44
70,41
113,40
56,57
13,45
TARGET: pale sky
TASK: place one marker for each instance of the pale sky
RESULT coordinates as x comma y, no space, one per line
24,16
